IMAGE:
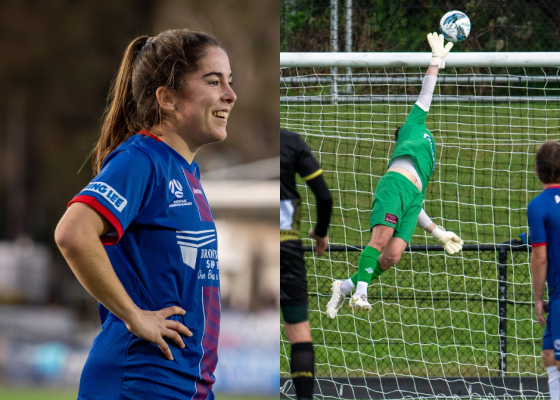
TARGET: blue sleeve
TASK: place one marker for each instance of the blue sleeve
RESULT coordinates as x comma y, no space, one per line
120,191
536,215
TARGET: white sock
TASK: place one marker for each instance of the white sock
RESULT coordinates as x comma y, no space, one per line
553,382
346,286
361,289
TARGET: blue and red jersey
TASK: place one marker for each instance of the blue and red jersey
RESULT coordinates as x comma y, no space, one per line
543,214
163,247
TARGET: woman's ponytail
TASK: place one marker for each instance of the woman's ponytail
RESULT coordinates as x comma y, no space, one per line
119,119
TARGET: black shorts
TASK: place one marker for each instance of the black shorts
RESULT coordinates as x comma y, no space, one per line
293,278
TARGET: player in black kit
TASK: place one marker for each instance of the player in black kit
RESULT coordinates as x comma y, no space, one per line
296,157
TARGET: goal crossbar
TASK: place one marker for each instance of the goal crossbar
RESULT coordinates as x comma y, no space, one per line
454,59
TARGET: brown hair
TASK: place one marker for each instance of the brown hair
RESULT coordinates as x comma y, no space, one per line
148,64
548,162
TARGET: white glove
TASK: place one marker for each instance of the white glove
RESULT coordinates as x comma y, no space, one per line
438,51
450,241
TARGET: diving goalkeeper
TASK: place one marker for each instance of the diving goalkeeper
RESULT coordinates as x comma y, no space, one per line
397,204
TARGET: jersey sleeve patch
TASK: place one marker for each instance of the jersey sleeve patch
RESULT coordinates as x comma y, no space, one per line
112,196
97,206
121,190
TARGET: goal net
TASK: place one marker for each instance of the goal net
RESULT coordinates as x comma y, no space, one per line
442,325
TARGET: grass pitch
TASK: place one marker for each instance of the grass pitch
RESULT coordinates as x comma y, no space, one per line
53,394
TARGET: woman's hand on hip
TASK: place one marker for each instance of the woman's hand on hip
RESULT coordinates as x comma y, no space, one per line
153,326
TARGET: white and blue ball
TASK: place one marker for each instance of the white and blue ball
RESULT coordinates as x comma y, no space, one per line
455,26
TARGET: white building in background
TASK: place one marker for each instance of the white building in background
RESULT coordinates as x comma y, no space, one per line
245,201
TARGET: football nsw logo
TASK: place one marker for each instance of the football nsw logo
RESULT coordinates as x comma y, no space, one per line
176,188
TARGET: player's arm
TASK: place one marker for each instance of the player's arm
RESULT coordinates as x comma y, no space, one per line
538,274
536,216
309,169
78,237
439,52
450,241
324,209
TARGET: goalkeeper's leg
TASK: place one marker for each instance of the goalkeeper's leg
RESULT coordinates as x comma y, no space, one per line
368,267
392,253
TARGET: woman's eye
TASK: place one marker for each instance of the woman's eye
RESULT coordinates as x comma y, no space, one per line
214,82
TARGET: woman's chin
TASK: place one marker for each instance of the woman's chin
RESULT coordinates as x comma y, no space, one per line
218,136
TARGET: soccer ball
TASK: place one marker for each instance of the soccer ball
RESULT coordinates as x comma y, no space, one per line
455,26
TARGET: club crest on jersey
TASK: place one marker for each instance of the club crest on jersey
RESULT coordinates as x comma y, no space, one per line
557,344
200,200
557,199
110,194
176,188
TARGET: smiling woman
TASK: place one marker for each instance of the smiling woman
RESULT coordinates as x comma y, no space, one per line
157,279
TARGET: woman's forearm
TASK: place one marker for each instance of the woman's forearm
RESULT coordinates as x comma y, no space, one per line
81,246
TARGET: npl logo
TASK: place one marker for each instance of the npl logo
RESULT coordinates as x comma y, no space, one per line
176,188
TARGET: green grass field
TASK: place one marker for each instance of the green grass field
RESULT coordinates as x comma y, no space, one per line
433,314
50,394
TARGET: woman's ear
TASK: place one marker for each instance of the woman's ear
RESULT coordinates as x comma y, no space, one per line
165,99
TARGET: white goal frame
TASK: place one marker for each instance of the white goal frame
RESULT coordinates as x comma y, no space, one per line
516,386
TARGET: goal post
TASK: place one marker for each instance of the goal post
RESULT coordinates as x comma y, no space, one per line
442,325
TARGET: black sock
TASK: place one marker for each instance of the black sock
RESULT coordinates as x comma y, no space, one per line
303,369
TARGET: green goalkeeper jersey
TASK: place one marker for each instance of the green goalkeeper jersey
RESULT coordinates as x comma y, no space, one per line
416,141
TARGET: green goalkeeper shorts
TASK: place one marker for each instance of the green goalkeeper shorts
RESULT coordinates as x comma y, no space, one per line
397,203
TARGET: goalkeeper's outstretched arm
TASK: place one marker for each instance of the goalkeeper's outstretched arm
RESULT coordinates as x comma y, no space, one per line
450,241
438,55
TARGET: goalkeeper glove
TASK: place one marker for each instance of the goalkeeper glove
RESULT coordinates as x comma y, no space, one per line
450,241
438,51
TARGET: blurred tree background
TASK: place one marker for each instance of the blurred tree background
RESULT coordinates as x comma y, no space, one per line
58,59
402,25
